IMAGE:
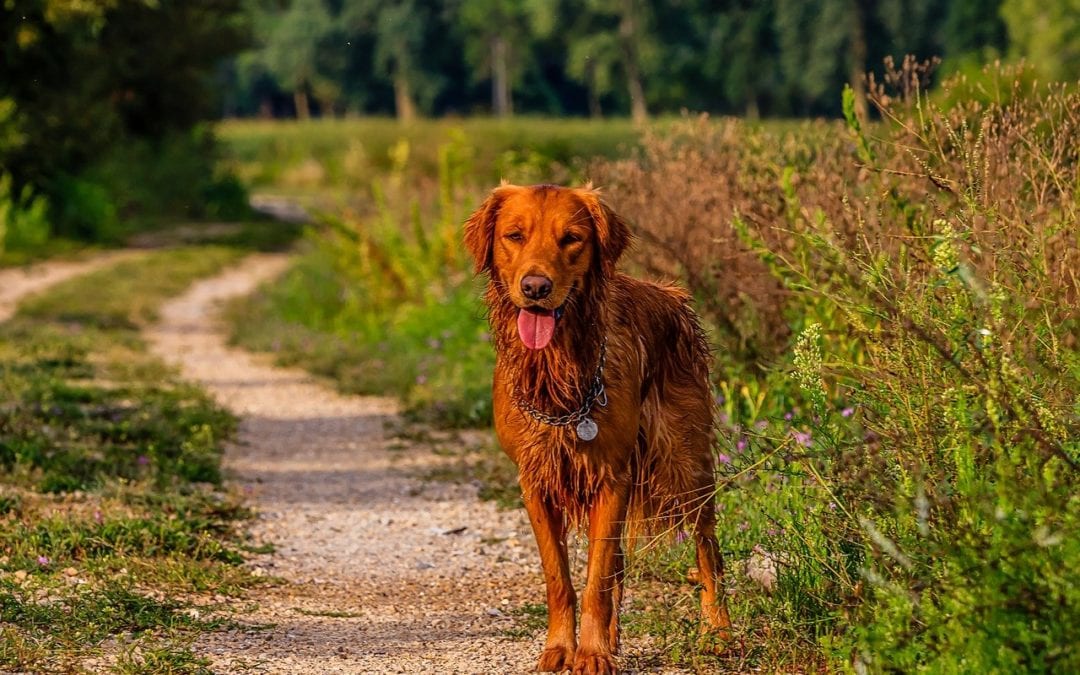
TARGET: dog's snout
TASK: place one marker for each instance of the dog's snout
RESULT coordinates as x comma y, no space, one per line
536,287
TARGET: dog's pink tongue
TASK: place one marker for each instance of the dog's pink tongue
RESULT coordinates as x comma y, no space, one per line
536,327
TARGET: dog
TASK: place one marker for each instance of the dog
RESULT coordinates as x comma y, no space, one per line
601,398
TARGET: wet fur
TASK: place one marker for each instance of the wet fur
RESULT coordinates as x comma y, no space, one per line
651,466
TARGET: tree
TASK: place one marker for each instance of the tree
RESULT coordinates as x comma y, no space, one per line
1047,34
291,39
613,36
739,53
499,35
973,27
592,60
81,75
397,29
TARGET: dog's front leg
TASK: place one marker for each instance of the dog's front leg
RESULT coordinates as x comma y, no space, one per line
596,653
550,530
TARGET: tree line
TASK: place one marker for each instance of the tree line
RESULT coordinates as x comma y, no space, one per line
616,57
95,93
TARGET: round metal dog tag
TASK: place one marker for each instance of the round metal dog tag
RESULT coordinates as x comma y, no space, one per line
587,429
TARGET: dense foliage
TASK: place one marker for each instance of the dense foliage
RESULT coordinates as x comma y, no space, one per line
99,106
772,57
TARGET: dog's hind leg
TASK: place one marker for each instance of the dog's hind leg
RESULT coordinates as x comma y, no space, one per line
716,623
550,530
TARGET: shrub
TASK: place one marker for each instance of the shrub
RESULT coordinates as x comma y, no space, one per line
921,499
24,224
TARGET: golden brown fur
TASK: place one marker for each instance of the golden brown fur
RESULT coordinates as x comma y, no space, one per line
651,466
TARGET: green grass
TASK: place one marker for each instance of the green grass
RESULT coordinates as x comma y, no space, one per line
114,520
342,158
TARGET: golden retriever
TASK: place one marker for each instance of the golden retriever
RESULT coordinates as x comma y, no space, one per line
602,399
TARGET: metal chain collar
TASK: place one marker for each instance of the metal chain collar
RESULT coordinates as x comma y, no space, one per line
595,396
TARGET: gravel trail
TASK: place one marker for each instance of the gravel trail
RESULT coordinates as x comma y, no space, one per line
384,572
16,283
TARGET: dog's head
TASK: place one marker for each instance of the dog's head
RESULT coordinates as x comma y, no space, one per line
542,245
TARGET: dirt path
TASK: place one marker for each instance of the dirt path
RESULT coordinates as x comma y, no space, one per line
17,283
386,573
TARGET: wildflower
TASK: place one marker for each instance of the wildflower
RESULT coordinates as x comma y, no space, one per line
741,445
97,516
421,379
790,415
808,364
142,460
832,506
761,426
744,526
724,419
719,399
723,459
802,438
946,257
434,344
42,560
847,412
680,536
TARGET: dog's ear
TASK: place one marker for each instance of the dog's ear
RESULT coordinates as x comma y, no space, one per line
480,227
612,233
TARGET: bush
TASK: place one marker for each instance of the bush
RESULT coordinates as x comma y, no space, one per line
24,224
141,183
920,487
85,210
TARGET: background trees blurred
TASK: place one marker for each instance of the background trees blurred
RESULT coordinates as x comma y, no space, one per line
96,95
628,57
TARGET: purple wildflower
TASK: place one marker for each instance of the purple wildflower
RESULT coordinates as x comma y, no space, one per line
802,438
789,415
761,425
724,418
741,445
42,560
723,459
719,399
744,526
142,460
832,506
680,536
847,412
421,379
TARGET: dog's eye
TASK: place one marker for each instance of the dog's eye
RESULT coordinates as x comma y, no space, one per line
569,238
515,237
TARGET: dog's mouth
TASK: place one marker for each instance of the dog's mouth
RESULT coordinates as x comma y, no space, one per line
536,325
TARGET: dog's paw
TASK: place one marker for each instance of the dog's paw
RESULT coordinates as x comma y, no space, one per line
594,664
556,659
715,640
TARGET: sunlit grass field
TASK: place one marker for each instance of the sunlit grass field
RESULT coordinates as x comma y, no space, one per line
341,160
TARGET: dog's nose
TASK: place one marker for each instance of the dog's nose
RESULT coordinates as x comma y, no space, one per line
536,287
